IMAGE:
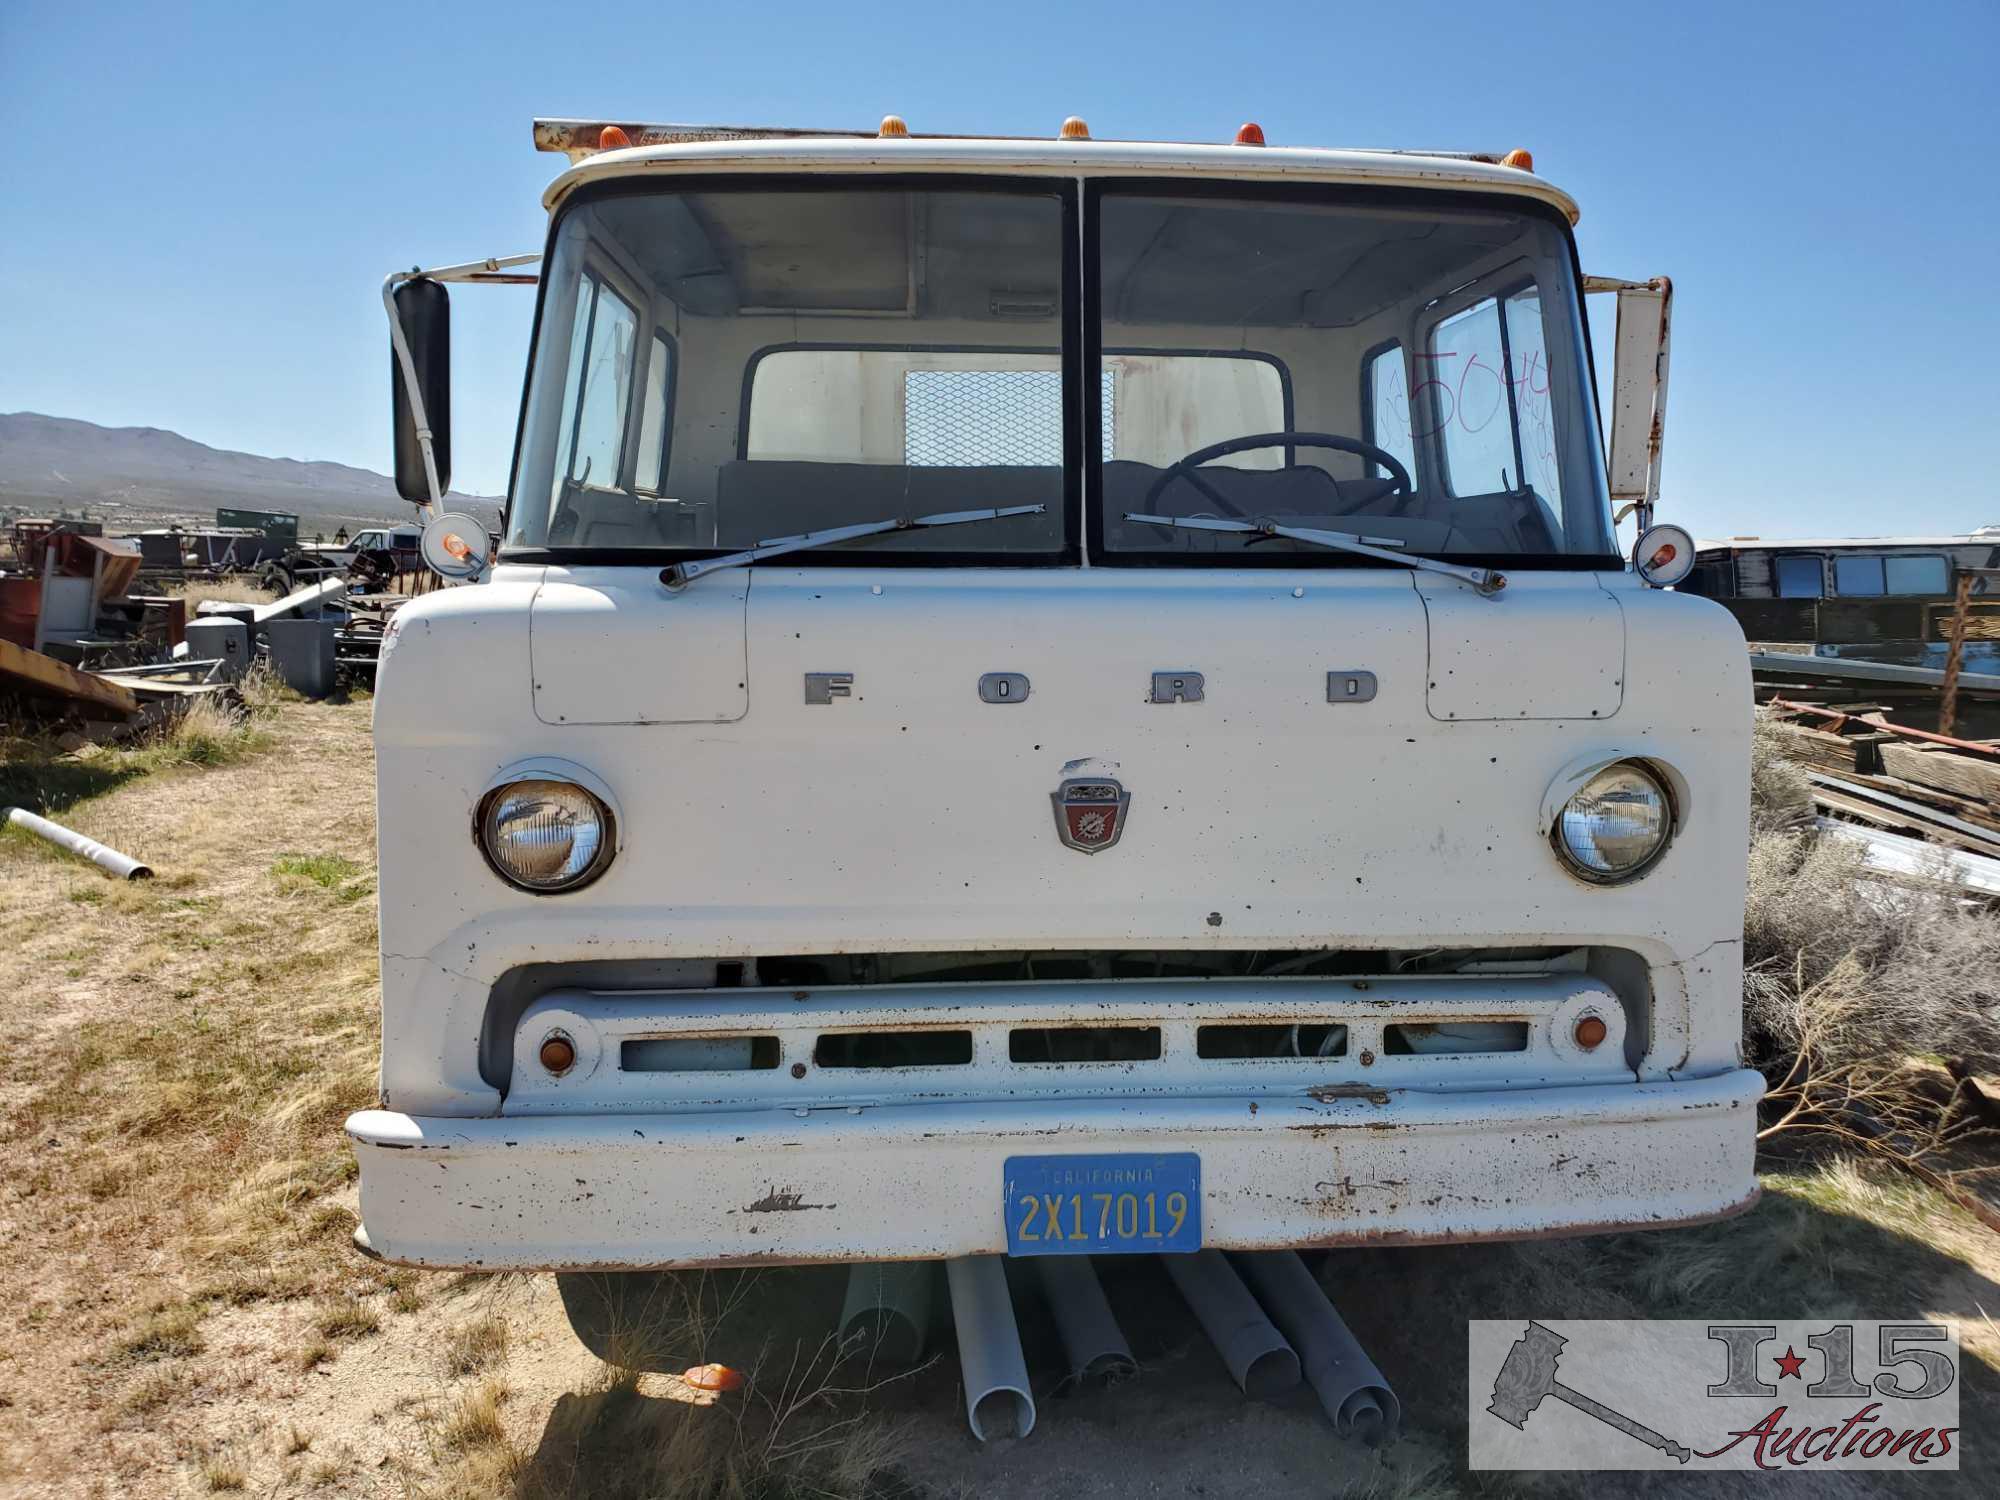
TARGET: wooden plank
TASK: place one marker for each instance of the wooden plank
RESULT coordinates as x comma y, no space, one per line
1930,796
1971,776
1864,811
1890,811
43,676
1816,747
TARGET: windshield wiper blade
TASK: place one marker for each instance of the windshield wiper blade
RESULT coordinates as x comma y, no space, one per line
680,575
1488,581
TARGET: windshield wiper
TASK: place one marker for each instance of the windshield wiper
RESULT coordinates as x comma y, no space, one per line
680,575
1488,581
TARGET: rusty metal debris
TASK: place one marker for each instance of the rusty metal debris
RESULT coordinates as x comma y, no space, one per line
35,674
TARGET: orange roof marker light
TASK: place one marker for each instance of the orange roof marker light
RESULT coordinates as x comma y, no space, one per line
613,138
1251,134
1518,158
1073,129
893,128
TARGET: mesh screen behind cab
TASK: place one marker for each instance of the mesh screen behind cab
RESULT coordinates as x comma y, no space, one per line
984,418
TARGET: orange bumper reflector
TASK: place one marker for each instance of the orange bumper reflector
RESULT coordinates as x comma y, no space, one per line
1590,1032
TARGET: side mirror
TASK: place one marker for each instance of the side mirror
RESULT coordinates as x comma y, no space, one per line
1638,391
423,311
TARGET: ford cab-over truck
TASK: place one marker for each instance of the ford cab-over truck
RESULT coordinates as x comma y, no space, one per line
1051,696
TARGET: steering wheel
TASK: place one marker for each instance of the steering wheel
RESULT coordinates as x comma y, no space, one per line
1186,468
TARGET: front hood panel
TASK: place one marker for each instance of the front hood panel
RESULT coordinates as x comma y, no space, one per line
899,810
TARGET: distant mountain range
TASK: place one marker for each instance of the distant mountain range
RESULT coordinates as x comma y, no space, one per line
136,477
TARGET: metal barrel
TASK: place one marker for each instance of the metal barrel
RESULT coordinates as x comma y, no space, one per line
1339,1370
122,865
997,1401
1257,1355
1091,1339
887,1314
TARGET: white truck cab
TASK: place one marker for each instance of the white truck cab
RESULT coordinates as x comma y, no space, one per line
1050,696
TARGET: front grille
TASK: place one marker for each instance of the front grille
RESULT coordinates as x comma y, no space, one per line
673,1050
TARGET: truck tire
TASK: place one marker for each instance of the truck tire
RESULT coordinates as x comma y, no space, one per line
633,1320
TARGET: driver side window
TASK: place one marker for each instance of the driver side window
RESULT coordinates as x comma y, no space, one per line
1488,388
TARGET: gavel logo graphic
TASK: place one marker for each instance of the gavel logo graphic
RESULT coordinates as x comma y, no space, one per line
1529,1373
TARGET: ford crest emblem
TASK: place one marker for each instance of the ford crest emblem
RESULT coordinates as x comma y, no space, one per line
1090,813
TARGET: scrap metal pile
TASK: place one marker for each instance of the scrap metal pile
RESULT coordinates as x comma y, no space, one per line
83,649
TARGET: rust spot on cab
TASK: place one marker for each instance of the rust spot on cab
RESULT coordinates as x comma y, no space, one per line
1326,1093
787,1202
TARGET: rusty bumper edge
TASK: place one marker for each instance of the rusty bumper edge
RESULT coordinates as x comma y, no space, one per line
1359,1240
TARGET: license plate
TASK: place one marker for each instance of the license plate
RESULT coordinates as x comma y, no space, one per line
1106,1204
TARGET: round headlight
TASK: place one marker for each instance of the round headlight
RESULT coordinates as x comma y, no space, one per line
545,835
1617,825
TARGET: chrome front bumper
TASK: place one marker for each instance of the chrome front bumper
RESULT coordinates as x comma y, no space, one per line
1341,1166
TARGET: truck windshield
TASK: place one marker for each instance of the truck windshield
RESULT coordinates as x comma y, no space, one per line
1434,393
719,367
729,361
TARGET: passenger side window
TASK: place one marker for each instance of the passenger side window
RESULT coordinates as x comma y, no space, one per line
600,386
1388,408
655,417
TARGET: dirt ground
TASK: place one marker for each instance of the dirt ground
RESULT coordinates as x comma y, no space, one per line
186,1315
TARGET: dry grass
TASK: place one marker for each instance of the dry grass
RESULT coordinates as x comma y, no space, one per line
1780,795
210,732
800,1426
347,1319
1865,1001
476,1346
618,1440
224,1473
182,1052
237,589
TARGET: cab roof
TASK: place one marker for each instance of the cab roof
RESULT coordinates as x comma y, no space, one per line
705,149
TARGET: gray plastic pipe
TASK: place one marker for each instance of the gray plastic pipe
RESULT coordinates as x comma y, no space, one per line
997,1402
1349,1386
1256,1353
888,1310
1091,1338
122,865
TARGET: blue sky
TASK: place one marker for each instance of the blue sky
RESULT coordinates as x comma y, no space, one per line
202,199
